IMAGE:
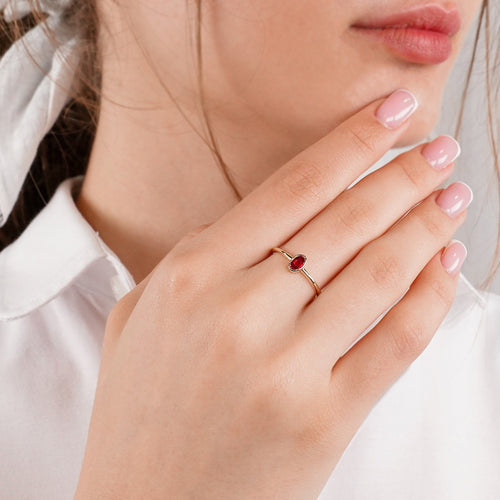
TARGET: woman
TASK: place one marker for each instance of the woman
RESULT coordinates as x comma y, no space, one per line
230,367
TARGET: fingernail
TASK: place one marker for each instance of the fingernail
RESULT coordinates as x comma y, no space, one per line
455,198
396,108
453,257
441,151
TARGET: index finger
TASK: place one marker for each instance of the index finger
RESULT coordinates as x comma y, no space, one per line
274,211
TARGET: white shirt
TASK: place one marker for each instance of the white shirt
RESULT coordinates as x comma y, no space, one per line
434,435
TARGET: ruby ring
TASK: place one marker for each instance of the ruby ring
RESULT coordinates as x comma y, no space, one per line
296,264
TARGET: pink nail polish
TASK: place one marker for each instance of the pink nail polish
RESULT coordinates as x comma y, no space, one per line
394,111
455,198
441,151
453,257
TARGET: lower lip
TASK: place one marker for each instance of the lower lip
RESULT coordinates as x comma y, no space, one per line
413,45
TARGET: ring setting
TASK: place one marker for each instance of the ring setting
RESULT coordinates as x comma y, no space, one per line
296,263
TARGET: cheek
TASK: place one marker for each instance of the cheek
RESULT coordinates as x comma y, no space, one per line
291,64
300,71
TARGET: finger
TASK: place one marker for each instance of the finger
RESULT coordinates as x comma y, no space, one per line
380,274
372,365
359,215
301,188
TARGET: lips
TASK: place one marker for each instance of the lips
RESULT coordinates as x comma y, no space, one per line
426,18
419,35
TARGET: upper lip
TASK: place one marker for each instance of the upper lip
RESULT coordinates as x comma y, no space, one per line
432,17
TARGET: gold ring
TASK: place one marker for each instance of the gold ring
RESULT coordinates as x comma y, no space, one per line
296,263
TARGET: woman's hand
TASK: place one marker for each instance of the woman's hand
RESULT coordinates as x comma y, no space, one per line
222,378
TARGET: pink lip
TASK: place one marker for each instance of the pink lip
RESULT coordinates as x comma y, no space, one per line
421,35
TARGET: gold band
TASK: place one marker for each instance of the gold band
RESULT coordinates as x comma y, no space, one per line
301,260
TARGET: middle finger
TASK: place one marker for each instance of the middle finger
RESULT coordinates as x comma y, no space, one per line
359,215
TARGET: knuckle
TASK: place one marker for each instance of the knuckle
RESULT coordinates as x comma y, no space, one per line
305,182
387,271
409,340
443,292
356,217
433,223
181,271
363,139
412,177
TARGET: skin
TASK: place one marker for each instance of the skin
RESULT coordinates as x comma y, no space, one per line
234,392
278,77
292,394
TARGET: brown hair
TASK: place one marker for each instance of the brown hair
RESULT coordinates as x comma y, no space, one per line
65,150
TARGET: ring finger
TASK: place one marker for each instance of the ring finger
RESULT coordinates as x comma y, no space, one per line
380,274
359,215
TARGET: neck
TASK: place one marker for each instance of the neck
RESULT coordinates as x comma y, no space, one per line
151,178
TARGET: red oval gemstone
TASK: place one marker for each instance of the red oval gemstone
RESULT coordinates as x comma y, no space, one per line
297,262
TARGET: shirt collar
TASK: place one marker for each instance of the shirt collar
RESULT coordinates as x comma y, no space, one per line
55,248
